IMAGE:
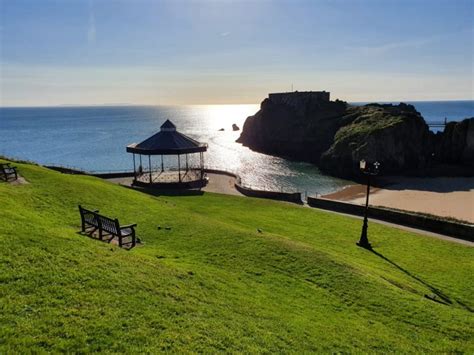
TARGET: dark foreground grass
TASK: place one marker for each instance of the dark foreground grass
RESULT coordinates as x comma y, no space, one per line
213,282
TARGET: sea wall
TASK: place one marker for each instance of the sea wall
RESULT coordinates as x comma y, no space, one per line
454,229
65,170
113,175
110,175
294,197
222,172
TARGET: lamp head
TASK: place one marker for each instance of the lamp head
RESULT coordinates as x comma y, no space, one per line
376,166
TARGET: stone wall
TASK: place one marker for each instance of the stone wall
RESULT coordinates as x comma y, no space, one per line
294,197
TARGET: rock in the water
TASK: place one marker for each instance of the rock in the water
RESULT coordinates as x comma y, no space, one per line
235,127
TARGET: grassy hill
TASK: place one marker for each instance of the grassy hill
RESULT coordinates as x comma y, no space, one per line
213,282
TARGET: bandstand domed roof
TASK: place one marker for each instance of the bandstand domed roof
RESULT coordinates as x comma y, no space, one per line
167,141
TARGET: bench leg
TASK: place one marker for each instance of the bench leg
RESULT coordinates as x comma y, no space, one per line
120,240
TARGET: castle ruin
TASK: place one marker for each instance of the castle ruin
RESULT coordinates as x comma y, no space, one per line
285,97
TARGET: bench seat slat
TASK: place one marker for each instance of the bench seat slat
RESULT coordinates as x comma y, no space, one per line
126,232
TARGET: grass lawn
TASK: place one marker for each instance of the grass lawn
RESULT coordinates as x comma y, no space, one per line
213,282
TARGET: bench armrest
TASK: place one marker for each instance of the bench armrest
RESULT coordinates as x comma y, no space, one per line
128,226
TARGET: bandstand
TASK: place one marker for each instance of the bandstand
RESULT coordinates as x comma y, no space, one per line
165,144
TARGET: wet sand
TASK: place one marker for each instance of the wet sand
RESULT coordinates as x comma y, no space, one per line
443,196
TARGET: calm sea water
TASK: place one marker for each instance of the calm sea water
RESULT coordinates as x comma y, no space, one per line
94,139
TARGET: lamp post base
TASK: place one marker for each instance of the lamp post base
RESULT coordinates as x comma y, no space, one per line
364,241
364,245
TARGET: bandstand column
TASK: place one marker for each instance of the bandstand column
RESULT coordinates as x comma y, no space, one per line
162,166
149,167
134,169
179,168
201,158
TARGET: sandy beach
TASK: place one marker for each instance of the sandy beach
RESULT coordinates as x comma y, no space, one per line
442,196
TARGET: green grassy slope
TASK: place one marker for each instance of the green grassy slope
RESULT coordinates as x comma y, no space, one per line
213,282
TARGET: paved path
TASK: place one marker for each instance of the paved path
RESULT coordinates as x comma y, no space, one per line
221,184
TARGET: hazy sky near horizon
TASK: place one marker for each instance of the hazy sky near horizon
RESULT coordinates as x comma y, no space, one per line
188,52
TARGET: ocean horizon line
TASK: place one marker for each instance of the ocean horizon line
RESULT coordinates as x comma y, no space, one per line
215,104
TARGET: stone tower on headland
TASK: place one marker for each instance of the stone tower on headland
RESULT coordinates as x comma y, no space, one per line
288,97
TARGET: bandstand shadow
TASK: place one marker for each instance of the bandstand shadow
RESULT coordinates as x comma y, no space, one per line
110,239
167,192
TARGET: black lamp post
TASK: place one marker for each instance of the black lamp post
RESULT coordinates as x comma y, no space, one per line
369,169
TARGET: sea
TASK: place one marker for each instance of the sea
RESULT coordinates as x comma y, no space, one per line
94,139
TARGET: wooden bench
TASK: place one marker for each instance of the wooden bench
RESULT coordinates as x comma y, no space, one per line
109,226
106,226
8,171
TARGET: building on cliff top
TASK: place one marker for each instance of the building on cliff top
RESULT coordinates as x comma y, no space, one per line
284,96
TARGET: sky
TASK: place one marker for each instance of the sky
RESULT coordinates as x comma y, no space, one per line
157,52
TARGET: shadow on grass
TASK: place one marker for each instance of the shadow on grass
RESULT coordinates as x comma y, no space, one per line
168,192
438,296
110,239
459,179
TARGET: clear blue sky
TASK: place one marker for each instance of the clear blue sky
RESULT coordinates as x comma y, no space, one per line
178,52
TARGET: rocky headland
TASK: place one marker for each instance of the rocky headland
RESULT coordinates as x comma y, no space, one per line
335,136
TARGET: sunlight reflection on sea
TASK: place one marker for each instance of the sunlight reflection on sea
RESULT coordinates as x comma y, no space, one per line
94,139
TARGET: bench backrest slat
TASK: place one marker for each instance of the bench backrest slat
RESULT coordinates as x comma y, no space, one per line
90,217
107,224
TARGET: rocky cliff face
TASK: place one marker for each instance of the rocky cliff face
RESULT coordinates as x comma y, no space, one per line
302,129
336,136
456,144
396,136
